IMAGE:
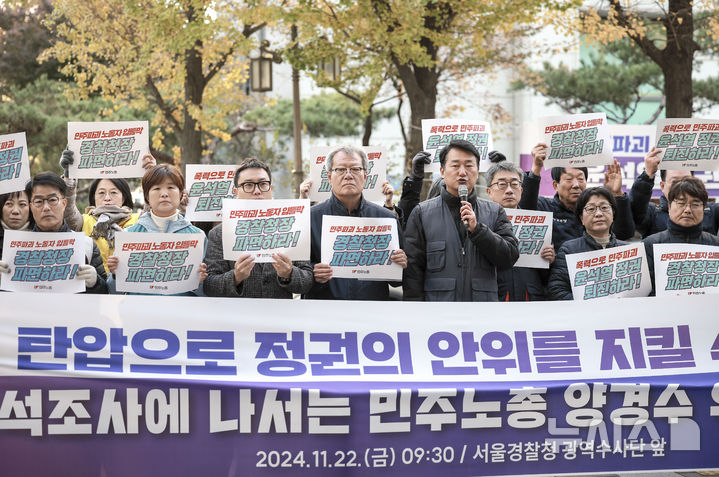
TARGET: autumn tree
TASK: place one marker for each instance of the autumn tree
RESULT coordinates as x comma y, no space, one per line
360,79
22,38
666,32
323,115
614,78
417,43
185,60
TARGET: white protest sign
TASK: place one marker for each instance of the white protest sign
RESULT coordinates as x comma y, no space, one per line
157,263
108,150
577,140
533,229
358,247
14,165
437,133
43,261
689,144
685,269
320,190
207,186
264,227
611,272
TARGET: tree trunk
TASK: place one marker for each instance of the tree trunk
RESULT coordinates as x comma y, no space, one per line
367,127
191,137
678,88
421,87
678,59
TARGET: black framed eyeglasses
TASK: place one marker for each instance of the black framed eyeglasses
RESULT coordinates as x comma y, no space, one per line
249,187
52,201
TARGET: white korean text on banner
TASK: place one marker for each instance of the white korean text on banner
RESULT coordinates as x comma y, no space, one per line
360,247
320,190
127,385
156,263
611,272
689,144
576,140
43,261
685,269
533,230
107,150
437,133
207,186
14,165
264,227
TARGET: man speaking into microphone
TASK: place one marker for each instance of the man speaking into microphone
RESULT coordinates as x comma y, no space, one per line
456,242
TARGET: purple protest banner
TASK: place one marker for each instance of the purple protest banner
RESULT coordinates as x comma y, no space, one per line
121,389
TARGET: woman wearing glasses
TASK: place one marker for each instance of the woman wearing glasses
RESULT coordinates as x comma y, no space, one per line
110,207
162,187
595,208
16,214
687,200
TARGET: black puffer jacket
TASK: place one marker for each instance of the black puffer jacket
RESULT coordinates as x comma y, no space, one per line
675,233
560,287
651,219
566,224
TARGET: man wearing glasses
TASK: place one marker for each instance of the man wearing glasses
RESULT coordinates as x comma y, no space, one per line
245,278
687,199
455,245
651,218
347,174
569,182
516,283
47,192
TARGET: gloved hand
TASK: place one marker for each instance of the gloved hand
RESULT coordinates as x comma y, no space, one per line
418,162
496,156
87,273
66,159
4,267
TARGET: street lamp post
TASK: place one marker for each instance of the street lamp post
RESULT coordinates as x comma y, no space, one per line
296,120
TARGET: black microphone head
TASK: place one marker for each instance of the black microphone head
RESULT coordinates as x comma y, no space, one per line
463,192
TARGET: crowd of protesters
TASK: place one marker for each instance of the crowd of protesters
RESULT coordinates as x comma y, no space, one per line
454,246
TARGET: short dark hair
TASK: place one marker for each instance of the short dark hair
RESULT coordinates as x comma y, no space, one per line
558,171
121,185
251,163
16,195
663,174
47,179
591,192
689,186
10,195
158,174
466,146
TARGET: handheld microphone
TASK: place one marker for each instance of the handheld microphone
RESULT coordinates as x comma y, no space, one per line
463,193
